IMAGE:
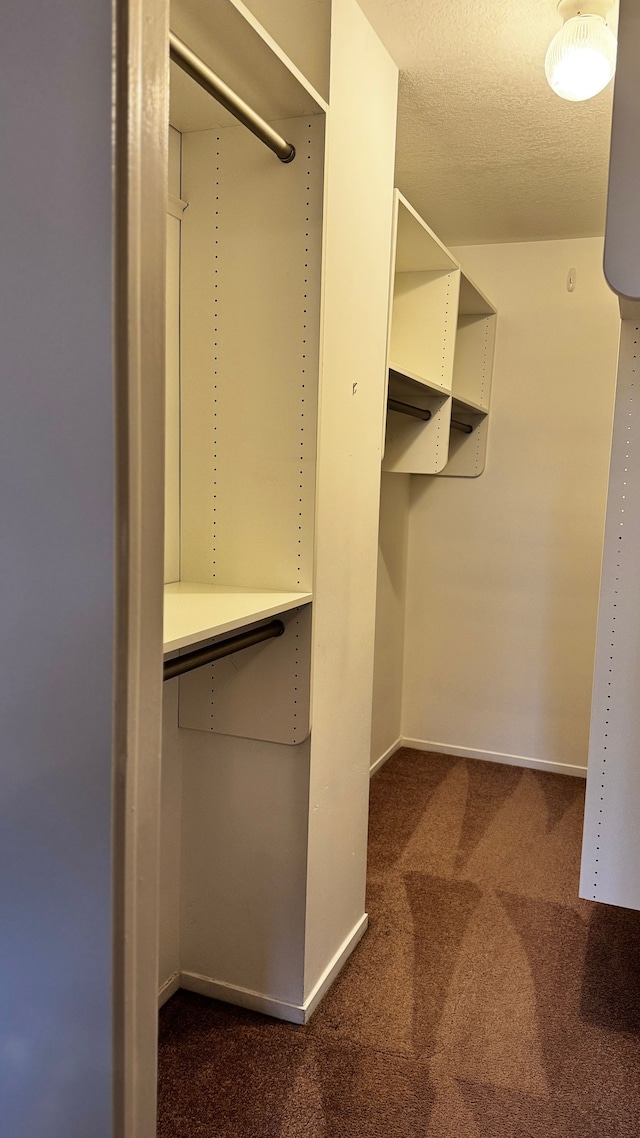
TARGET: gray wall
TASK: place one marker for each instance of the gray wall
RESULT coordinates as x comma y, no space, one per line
56,568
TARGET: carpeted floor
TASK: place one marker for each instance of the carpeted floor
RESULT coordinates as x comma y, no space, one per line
485,1001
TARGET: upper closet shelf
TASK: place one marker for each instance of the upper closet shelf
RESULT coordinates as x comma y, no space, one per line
193,612
417,249
398,373
472,301
462,404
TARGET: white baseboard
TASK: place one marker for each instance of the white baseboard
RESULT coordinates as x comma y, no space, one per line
496,757
387,755
280,1009
169,988
334,967
241,997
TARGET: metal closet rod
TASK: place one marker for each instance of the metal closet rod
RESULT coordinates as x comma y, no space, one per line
422,413
214,86
408,409
202,656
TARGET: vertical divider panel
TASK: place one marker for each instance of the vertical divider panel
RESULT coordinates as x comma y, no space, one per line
357,255
611,843
474,356
467,453
472,372
172,384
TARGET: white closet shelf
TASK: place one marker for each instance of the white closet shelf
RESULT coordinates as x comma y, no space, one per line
194,612
396,371
462,404
473,301
416,245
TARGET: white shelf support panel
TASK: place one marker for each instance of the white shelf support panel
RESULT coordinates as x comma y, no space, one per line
472,369
611,844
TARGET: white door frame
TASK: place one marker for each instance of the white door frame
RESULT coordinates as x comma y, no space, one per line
140,192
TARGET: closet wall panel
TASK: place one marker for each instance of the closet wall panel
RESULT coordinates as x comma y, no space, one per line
611,850
250,326
245,808
172,382
170,843
393,538
611,846
357,255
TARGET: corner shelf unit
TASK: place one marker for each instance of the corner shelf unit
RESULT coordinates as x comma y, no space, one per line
441,338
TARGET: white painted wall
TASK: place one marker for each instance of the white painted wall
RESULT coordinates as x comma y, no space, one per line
503,570
57,559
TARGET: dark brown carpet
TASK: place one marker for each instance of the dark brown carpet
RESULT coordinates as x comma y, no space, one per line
486,1000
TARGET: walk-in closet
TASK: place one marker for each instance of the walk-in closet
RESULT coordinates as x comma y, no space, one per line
321,569
473,440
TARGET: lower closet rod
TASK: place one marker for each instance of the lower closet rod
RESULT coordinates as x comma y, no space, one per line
217,88
408,409
201,656
458,426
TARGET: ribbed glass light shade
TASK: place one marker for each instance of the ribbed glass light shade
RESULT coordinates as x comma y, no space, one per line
581,58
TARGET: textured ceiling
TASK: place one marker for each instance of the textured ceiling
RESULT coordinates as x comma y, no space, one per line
486,152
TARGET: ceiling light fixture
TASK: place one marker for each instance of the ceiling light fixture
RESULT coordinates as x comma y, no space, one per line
581,57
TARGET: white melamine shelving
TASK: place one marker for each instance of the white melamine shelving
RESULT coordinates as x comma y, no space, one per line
422,327
475,337
469,405
441,337
265,873
471,386
245,282
399,375
193,613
